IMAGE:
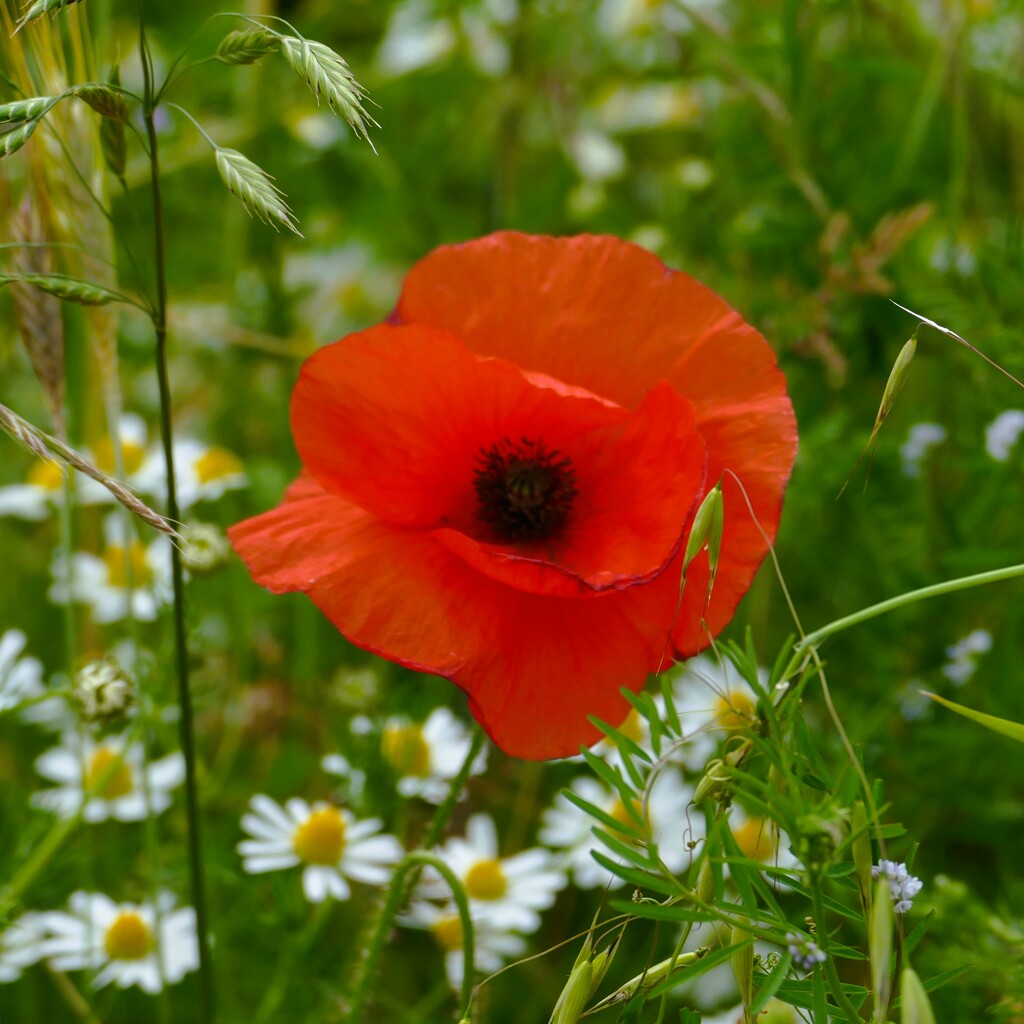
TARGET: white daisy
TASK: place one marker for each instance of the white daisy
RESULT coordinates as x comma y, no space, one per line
20,946
21,678
102,581
332,844
201,472
21,681
127,944
568,829
415,39
711,701
492,946
81,764
506,892
427,756
762,840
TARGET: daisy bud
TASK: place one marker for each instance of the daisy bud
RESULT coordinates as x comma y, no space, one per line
706,533
103,692
880,948
204,547
743,966
915,1005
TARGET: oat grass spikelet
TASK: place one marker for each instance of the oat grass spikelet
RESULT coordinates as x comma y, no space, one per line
41,7
246,46
259,195
327,74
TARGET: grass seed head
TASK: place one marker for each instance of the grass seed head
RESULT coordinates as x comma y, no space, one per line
260,196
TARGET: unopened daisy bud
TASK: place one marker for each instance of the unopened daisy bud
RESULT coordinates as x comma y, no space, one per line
743,965
915,1006
204,547
861,850
880,948
706,533
103,692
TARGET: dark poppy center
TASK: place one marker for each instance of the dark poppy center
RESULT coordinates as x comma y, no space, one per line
525,491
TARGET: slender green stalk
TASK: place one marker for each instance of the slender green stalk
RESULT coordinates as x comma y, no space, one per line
286,963
413,862
815,639
835,983
444,811
206,1004
401,886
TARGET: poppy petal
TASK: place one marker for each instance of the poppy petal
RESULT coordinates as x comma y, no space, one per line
591,310
639,482
395,418
398,592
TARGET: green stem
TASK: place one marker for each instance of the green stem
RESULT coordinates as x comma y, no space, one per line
395,898
831,974
815,639
401,886
187,729
444,811
293,951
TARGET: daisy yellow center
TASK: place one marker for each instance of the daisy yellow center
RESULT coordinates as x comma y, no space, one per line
132,453
119,559
215,464
525,491
46,474
620,813
128,938
735,710
754,838
406,750
632,727
108,775
320,839
448,932
486,881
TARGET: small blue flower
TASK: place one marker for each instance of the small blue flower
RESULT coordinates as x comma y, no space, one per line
805,953
903,886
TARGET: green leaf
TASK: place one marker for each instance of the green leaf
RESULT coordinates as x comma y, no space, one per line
769,984
70,289
1003,726
246,46
602,816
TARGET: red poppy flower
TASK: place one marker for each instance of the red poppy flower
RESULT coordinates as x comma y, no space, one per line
498,482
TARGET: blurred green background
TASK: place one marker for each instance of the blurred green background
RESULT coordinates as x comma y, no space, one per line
808,161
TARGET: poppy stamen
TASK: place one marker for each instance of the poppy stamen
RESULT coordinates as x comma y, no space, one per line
525,491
